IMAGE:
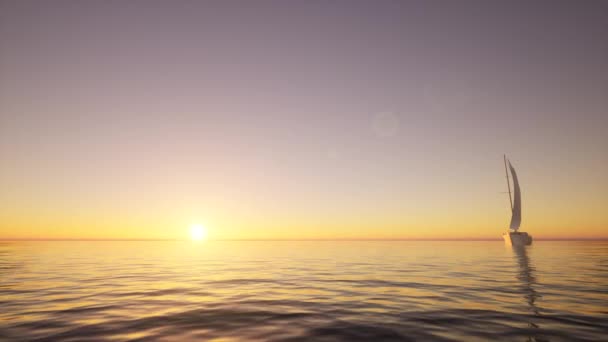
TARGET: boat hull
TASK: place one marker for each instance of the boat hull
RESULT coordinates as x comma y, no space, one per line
517,238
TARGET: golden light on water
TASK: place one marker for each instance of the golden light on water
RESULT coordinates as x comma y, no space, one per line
198,232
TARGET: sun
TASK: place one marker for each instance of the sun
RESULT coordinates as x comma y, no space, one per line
198,232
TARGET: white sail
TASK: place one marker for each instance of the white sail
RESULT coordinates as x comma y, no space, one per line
516,209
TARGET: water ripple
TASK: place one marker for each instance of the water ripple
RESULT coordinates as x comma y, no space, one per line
300,292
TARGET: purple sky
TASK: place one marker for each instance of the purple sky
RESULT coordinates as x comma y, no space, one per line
374,117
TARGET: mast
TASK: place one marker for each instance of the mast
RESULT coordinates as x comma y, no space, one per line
508,183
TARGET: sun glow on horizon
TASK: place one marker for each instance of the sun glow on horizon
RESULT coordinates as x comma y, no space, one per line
198,232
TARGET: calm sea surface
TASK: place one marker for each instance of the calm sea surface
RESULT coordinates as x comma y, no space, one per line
303,290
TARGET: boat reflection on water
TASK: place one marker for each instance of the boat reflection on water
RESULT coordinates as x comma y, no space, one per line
527,277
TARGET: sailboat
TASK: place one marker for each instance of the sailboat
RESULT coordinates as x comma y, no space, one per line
513,236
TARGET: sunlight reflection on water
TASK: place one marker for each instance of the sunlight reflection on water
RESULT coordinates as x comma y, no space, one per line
303,290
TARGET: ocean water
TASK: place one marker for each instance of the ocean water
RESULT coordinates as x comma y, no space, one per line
303,291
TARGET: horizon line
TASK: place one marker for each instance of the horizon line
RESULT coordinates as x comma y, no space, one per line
306,239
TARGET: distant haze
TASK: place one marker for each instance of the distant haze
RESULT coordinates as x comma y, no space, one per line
309,119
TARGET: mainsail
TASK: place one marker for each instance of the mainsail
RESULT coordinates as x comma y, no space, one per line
516,209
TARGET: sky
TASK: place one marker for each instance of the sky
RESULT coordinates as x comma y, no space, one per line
302,119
